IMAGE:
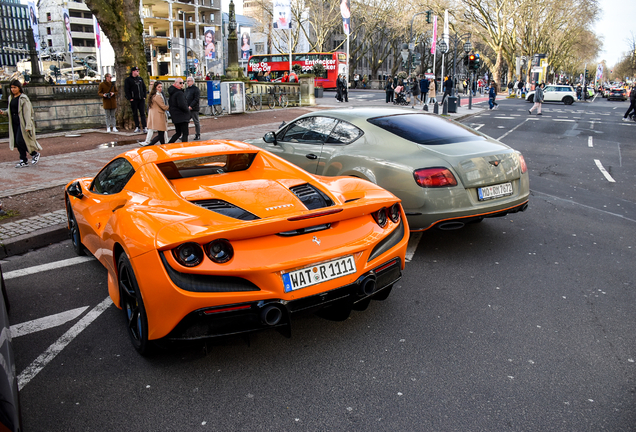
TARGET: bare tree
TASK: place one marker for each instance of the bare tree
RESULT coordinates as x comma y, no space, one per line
120,21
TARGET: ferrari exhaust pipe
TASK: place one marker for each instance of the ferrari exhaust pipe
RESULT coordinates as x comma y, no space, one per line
367,286
271,315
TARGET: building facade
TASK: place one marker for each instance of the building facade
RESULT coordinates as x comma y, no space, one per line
14,30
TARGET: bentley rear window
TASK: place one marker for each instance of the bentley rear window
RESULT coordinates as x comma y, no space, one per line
206,165
425,129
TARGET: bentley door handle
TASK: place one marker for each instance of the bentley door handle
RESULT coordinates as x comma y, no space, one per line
311,156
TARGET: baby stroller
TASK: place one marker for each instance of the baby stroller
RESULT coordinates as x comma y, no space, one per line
400,98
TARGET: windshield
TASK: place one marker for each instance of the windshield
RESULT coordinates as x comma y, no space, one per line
206,165
425,129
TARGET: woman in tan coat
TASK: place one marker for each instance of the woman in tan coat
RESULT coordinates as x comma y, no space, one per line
22,125
431,92
157,108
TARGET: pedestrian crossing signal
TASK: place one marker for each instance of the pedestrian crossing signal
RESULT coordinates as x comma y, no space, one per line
169,44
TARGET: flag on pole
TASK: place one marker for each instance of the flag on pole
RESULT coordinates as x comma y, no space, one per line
345,10
282,14
446,27
33,20
434,43
98,34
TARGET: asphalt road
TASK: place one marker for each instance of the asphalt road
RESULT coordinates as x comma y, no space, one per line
520,323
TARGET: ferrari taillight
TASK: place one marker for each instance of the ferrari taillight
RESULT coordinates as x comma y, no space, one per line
522,162
220,251
188,254
381,217
394,213
434,177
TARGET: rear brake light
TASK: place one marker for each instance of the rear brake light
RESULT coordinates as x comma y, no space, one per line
434,177
226,309
381,217
522,162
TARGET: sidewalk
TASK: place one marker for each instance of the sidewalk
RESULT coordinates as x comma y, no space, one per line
38,231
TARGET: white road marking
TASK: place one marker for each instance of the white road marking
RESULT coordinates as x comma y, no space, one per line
44,267
555,198
592,125
44,323
479,126
604,171
589,142
505,118
511,130
414,240
564,120
45,358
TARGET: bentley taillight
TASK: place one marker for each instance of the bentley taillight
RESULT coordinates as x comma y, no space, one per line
434,177
522,162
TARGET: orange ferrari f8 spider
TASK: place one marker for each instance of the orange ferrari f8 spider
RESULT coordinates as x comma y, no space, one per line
221,238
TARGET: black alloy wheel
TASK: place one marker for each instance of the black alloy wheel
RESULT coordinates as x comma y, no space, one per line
133,306
568,100
76,238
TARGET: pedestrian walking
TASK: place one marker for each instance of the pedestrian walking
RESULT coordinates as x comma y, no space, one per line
135,91
193,97
631,110
424,89
492,95
389,89
448,88
538,99
341,87
415,91
431,93
510,87
179,111
157,118
108,92
22,125
519,88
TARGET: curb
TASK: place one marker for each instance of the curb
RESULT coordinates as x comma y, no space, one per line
34,240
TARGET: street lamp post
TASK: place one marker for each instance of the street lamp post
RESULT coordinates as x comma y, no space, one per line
185,42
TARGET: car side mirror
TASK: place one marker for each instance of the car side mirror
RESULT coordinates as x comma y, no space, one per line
75,190
270,138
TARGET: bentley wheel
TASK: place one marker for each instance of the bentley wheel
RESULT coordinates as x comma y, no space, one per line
133,306
76,238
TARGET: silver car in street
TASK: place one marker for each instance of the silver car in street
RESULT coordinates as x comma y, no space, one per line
446,174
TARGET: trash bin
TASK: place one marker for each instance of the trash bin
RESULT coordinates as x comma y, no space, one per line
318,92
452,104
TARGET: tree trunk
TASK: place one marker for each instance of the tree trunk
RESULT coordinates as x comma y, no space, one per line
120,21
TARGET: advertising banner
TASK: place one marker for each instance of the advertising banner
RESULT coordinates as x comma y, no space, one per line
345,10
67,28
282,14
33,20
209,42
246,45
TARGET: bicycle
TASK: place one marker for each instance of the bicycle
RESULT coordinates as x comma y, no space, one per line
253,101
281,100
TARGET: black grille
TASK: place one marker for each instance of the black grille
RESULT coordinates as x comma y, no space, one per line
207,283
311,197
226,209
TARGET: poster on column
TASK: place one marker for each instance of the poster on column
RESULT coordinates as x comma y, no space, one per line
282,14
209,43
67,29
33,20
98,34
245,43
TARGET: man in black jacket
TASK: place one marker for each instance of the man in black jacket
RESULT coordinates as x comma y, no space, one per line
193,95
135,90
179,111
448,88
631,111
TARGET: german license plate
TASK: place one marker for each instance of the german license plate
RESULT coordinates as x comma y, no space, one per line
319,273
496,191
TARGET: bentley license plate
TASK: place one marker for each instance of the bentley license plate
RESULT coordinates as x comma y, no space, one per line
319,273
496,191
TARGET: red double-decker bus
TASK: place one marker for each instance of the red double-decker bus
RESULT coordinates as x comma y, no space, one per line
277,64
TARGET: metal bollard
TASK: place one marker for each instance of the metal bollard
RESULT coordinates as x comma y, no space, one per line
445,107
425,107
436,108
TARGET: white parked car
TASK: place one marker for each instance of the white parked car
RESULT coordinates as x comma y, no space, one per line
555,93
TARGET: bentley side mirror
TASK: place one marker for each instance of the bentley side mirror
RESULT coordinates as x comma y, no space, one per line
270,138
75,190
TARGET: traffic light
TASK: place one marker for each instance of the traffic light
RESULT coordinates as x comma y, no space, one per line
476,62
169,44
471,62
429,17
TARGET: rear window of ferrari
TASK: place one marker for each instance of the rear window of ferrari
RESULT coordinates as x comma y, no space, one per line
206,165
425,129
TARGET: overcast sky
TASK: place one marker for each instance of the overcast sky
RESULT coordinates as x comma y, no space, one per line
617,23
